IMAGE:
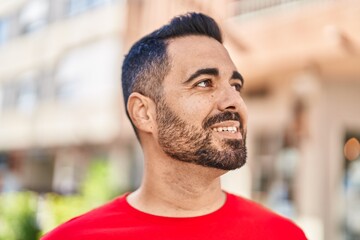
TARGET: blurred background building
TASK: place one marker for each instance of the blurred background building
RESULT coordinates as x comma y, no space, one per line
61,106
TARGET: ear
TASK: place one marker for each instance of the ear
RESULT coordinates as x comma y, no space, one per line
141,111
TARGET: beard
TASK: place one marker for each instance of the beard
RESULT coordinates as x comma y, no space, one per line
184,142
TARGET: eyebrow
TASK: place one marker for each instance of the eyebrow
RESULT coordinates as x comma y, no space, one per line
237,75
203,71
213,72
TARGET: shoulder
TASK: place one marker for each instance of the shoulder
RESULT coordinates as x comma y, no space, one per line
89,222
264,219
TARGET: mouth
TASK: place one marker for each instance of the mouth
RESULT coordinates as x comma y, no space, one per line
228,129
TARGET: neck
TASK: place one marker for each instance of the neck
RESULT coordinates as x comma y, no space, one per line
177,189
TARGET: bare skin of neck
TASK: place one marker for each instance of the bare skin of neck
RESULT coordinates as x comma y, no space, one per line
173,188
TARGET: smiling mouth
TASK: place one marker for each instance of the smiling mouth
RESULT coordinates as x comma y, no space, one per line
228,132
226,129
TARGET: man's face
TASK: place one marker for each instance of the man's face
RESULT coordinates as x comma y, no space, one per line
201,117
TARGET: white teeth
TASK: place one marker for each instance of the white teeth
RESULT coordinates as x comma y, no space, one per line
227,129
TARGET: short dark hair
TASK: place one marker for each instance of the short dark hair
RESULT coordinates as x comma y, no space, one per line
147,63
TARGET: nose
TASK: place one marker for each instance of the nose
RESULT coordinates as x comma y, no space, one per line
230,100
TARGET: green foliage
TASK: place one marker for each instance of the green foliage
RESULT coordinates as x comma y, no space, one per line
59,209
97,186
18,216
18,210
95,190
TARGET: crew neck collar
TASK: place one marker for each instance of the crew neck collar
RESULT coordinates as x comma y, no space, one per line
225,208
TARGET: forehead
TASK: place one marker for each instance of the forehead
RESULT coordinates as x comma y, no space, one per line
190,53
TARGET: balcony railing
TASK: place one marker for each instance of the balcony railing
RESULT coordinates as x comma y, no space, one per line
246,7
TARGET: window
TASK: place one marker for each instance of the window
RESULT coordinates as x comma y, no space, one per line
27,95
34,15
88,73
4,30
21,94
78,6
8,95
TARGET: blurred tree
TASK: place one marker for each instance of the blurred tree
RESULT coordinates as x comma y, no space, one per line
96,189
18,216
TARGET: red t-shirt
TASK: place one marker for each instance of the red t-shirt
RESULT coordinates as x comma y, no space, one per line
238,218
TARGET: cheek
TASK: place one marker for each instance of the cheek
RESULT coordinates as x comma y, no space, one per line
194,108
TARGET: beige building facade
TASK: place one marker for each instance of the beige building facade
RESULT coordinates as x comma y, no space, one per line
61,100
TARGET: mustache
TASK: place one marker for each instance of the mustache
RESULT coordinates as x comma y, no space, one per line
221,117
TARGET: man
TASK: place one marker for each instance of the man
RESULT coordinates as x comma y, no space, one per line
183,96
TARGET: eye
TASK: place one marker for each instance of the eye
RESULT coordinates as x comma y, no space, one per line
204,83
237,87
